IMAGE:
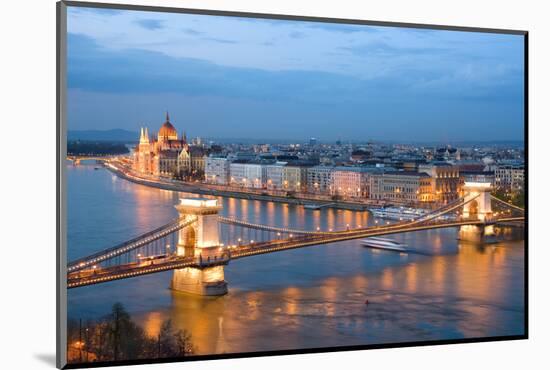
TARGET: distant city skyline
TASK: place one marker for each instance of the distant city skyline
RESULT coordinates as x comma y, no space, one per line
257,78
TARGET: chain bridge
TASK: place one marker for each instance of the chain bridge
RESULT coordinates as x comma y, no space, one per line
190,245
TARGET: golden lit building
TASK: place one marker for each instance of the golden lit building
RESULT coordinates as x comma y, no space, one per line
447,182
402,186
167,155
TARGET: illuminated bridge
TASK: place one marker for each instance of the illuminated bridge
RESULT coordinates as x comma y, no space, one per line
190,245
76,159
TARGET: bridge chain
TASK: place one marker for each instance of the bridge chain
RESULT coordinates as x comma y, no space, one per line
508,204
128,246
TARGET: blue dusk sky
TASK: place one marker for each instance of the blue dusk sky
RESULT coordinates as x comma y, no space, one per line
229,77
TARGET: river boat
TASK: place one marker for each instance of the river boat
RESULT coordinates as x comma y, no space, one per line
385,244
398,213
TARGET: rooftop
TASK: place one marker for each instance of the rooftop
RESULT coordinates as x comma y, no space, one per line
407,173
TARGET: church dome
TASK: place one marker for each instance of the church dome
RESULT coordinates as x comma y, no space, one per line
167,130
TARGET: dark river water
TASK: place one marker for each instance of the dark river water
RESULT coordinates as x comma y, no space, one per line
305,298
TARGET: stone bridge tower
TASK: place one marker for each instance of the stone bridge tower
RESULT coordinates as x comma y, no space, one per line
479,209
200,240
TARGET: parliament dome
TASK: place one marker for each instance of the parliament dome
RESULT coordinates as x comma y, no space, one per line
167,130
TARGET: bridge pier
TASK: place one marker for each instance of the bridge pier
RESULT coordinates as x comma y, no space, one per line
207,281
200,240
477,234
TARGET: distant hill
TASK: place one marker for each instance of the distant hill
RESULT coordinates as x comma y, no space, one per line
103,135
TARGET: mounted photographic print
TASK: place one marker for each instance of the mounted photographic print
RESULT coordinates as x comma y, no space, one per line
236,185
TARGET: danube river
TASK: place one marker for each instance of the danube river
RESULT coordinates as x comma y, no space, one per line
305,298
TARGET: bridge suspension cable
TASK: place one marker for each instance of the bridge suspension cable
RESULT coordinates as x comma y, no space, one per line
421,220
424,218
507,204
461,202
232,221
129,245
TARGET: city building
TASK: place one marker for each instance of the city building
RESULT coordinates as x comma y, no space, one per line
477,177
167,155
360,155
237,173
509,177
447,153
447,182
319,179
294,178
193,162
274,175
349,182
217,170
402,187
248,175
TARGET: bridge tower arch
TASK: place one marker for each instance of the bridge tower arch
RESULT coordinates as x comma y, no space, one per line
480,207
200,240
477,206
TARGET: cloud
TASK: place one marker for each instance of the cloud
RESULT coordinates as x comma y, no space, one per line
384,49
94,11
221,41
281,45
296,35
192,32
94,68
150,24
342,28
393,76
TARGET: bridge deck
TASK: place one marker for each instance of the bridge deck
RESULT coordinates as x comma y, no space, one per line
89,277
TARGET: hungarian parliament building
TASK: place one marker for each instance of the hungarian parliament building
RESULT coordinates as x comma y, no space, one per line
168,155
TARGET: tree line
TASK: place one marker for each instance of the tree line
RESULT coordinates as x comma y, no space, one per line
117,337
95,148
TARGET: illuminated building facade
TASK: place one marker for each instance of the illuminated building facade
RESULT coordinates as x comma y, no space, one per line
447,182
167,155
350,182
274,175
319,179
294,178
402,186
509,178
216,170
248,175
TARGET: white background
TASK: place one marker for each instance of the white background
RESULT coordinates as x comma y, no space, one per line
27,209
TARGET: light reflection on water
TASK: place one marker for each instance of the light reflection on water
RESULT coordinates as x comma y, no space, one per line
310,297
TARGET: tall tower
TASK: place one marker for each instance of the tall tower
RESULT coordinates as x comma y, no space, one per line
144,139
200,240
478,208
143,155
